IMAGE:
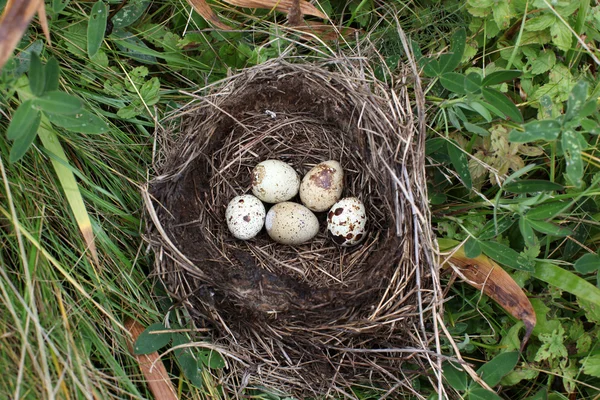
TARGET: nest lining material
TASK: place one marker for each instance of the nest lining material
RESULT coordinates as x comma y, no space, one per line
311,318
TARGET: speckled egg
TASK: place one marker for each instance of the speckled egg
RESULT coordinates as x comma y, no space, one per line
346,221
245,216
274,181
291,223
322,186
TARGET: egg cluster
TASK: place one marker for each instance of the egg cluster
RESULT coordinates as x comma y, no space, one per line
320,190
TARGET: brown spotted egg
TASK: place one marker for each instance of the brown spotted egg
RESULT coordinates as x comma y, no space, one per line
245,216
346,221
322,186
291,223
274,181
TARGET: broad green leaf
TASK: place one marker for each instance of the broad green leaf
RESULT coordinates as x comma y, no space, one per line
503,103
492,229
59,5
454,82
549,228
590,126
37,75
588,263
588,108
473,83
591,365
531,186
151,339
547,210
130,13
479,393
505,255
502,14
135,48
81,122
561,36
567,281
571,144
431,68
536,130
527,231
23,121
212,359
52,72
449,62
456,378
476,129
58,103
460,163
472,248
96,27
493,371
481,109
498,77
25,137
546,106
576,100
543,62
540,22
150,91
190,365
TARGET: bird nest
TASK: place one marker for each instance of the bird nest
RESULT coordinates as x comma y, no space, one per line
316,318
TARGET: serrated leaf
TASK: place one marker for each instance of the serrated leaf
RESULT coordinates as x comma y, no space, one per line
460,163
52,72
571,144
536,130
576,100
591,365
37,75
561,36
58,103
527,231
540,22
150,91
498,77
96,27
150,340
505,255
587,263
502,14
547,210
449,62
531,186
472,248
81,122
493,371
454,82
544,61
456,378
503,103
26,134
552,345
548,228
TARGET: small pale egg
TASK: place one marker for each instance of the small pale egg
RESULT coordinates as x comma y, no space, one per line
322,186
291,223
274,181
245,216
346,221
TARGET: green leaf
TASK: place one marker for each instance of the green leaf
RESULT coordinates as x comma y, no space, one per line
82,122
503,103
531,186
58,103
449,62
576,100
149,341
431,68
493,371
567,281
481,109
23,131
454,82
490,230
591,365
37,75
561,36
189,364
505,255
130,13
549,228
479,393
135,48
543,63
212,359
547,210
498,77
540,22
96,27
472,248
476,129
536,130
571,144
150,91
588,263
588,108
457,378
52,72
59,5
473,83
460,163
527,231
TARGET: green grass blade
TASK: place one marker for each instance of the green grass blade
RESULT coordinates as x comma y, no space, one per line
567,281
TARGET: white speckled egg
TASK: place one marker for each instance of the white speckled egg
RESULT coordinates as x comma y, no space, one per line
274,181
346,221
322,186
291,223
245,216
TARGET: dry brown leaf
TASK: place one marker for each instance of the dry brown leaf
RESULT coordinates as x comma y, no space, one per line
295,13
484,274
44,22
324,31
280,5
13,23
152,367
207,13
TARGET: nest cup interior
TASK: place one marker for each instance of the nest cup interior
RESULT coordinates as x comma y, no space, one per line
295,306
